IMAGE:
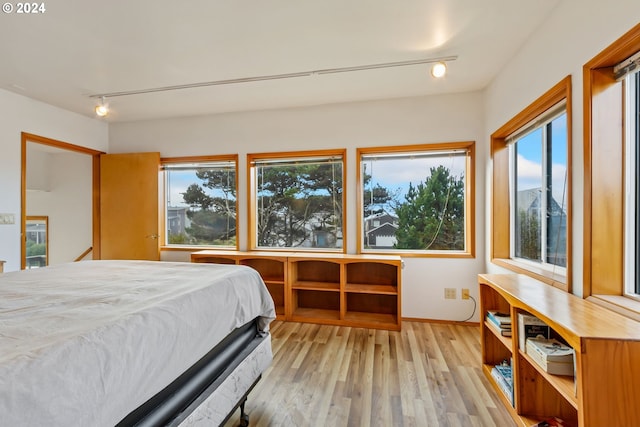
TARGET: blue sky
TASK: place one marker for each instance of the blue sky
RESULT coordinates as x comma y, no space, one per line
530,159
396,174
179,181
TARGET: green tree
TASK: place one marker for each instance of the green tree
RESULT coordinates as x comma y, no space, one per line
376,198
528,244
293,200
432,215
212,213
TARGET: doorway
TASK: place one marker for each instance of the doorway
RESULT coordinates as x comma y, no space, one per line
60,181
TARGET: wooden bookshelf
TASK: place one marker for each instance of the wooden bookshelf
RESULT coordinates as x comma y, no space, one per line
337,289
607,355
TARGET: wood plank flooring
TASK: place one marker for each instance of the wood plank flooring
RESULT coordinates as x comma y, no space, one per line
428,374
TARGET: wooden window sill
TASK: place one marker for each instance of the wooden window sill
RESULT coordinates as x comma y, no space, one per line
549,277
628,307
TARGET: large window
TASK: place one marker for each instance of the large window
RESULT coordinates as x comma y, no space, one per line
531,189
539,190
201,205
297,200
416,199
611,208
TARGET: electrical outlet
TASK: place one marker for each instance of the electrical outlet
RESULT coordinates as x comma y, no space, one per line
465,293
7,218
449,293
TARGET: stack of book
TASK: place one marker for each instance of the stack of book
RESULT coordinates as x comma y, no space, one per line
503,377
553,356
530,326
501,322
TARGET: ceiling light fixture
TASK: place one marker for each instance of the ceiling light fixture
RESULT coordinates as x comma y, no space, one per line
102,109
439,69
441,60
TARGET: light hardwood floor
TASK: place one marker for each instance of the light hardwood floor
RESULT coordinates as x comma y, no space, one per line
426,375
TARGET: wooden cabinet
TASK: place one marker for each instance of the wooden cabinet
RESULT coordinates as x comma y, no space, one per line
337,289
607,355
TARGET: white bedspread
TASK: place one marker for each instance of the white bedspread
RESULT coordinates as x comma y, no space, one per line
83,344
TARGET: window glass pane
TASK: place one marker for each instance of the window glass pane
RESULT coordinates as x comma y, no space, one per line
201,204
556,252
634,123
299,203
540,193
414,201
528,200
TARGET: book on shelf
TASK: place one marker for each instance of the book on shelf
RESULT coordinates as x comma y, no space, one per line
553,356
502,375
551,422
530,326
499,318
504,331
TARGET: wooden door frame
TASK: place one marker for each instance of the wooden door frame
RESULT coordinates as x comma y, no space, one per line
95,155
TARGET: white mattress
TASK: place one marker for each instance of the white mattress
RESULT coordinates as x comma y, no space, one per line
86,343
214,409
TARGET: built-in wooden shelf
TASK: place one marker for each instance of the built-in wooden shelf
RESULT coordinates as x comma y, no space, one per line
338,289
607,355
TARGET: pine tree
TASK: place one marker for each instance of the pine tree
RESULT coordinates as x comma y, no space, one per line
432,215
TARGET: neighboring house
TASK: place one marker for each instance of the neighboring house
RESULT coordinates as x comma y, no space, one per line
380,231
529,201
177,220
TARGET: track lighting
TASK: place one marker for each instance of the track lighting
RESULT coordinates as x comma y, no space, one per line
102,109
439,69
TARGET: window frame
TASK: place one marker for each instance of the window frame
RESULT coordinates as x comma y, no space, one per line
252,203
632,186
542,123
604,160
470,179
233,158
501,221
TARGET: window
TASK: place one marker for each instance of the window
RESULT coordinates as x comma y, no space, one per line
201,205
611,169
531,189
416,199
632,178
611,205
37,241
297,200
539,190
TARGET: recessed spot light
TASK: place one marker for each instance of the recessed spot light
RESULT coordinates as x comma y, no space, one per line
439,69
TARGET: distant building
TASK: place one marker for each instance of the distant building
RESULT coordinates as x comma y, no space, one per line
380,231
177,220
530,201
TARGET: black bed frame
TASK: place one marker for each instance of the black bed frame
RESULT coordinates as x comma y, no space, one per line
178,400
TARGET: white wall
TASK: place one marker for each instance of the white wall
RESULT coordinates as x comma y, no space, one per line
576,32
66,199
22,114
391,122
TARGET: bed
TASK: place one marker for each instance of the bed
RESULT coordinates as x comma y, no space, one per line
106,343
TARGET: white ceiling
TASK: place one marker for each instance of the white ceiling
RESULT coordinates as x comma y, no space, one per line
78,48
